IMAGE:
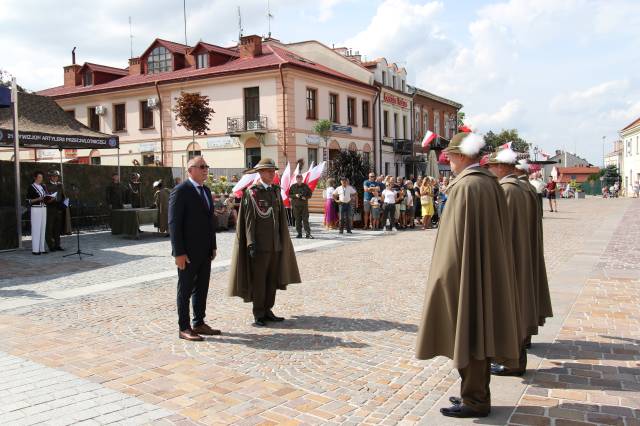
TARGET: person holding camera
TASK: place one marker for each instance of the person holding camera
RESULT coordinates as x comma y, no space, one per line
263,258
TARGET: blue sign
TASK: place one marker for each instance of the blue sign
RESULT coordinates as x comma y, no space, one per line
5,97
341,129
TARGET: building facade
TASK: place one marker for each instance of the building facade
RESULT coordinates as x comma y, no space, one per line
630,170
614,158
564,159
266,101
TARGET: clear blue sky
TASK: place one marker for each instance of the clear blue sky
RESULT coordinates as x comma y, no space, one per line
563,72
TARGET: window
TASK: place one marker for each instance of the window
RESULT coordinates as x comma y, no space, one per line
384,78
202,60
404,88
385,122
404,127
333,108
351,111
417,125
312,110
95,161
365,113
629,151
425,122
395,126
94,119
386,168
146,116
87,78
251,104
312,156
436,123
159,60
252,156
193,153
393,79
148,158
119,118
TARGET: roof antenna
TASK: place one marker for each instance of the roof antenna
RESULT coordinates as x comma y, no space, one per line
269,17
130,39
184,12
239,25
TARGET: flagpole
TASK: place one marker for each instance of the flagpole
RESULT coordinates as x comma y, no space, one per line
16,155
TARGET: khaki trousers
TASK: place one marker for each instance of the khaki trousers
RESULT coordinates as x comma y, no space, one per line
474,389
265,270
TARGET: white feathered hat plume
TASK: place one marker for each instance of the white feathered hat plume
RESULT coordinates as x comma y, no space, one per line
523,165
506,156
472,144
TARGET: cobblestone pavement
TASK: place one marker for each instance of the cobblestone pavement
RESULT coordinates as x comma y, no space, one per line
345,354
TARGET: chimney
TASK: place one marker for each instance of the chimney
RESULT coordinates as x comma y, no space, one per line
250,46
135,67
72,75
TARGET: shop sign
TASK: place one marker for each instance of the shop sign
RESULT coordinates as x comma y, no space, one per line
148,147
341,129
221,142
395,100
48,153
314,140
70,153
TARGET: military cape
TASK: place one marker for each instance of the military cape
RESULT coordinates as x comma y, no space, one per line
240,279
469,307
540,269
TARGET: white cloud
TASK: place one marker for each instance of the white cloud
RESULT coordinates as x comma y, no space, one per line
502,117
591,97
326,9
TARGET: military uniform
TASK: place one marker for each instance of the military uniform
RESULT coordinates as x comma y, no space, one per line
263,259
55,211
299,194
134,195
115,195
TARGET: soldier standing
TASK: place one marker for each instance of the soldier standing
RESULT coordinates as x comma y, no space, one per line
263,259
134,192
55,209
115,193
468,313
299,193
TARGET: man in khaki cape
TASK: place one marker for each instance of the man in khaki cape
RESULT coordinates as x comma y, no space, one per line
522,212
263,259
469,313
543,298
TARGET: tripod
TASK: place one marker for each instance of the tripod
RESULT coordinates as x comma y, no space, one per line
74,189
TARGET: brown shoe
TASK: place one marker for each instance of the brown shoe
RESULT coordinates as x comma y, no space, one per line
190,335
205,330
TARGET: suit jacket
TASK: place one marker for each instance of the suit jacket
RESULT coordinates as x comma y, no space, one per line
191,224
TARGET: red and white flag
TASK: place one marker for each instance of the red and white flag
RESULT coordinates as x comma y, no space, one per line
464,129
296,172
505,145
428,138
305,175
243,183
545,154
314,175
285,183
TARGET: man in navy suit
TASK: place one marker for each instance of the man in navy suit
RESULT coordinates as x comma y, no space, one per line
193,245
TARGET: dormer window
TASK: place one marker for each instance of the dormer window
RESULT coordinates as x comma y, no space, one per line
87,78
159,60
202,60
394,82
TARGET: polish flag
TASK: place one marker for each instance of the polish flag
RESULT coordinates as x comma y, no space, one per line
285,183
505,145
464,129
428,138
314,175
243,183
305,175
276,179
296,172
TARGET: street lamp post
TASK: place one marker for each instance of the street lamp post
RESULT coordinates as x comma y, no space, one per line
535,153
603,144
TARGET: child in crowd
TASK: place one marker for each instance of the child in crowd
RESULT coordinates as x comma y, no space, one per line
375,209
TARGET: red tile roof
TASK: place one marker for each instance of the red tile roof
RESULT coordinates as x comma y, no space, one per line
581,173
217,49
633,124
105,69
272,57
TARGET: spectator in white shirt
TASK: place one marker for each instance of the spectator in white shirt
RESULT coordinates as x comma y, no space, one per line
389,206
344,195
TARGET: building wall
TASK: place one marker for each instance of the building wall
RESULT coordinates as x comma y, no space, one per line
630,158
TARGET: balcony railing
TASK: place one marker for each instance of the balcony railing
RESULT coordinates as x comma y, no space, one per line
236,125
402,146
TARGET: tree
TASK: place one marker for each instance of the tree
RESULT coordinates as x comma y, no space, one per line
494,140
193,113
5,81
461,116
610,175
351,165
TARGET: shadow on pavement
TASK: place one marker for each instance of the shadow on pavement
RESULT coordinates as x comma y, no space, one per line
335,324
570,413
21,293
286,341
583,350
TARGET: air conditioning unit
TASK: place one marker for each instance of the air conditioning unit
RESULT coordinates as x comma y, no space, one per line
101,110
152,102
